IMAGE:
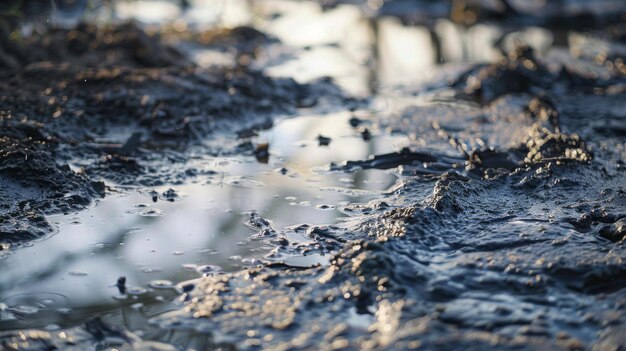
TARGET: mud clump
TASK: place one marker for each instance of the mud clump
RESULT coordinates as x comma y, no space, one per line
386,161
519,72
544,145
261,152
323,140
32,185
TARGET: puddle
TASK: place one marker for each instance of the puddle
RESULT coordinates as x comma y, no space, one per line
307,261
156,236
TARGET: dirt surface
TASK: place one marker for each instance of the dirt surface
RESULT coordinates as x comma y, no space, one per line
505,230
515,245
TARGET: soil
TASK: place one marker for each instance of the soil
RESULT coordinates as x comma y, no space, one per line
505,230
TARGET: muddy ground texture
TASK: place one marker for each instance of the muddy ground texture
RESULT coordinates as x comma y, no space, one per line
127,108
506,229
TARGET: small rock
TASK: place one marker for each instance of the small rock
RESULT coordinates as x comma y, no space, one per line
366,135
154,195
323,141
121,285
188,287
355,122
170,195
262,153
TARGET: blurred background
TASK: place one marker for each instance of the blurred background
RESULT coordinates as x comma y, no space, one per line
363,44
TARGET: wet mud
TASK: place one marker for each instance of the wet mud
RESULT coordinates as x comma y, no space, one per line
505,229
124,107
49,188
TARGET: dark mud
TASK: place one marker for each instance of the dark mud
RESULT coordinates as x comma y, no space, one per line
49,187
506,229
514,257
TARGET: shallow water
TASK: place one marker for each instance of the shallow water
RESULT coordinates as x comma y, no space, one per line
148,237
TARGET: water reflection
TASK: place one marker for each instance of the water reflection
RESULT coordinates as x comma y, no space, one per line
156,235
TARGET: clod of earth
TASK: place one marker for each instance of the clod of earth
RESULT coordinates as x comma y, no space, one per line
262,153
121,285
365,134
323,140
